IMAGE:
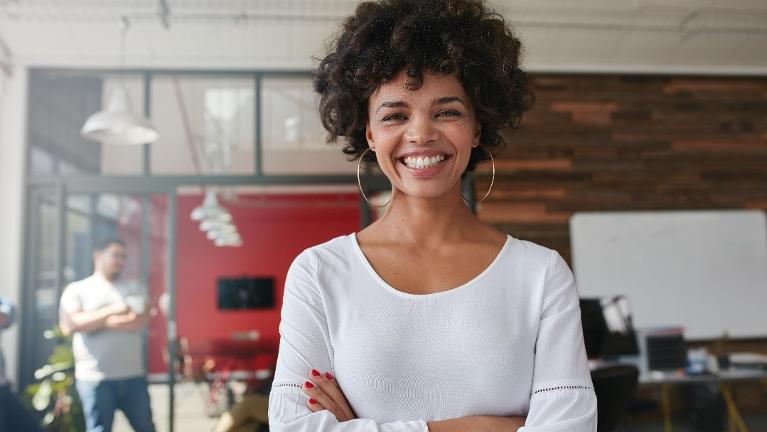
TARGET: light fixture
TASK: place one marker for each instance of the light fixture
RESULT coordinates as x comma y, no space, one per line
223,232
210,210
216,225
216,222
118,124
233,240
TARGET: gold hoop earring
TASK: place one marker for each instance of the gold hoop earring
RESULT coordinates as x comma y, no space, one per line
492,179
359,182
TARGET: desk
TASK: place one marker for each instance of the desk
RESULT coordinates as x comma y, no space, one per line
724,378
221,361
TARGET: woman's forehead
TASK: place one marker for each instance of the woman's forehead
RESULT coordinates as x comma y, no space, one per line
434,85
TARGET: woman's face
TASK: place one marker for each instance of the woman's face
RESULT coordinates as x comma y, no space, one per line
422,138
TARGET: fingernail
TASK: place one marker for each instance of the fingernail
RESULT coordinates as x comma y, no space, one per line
328,375
312,402
315,372
308,384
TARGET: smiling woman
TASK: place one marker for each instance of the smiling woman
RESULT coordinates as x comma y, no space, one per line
428,319
437,125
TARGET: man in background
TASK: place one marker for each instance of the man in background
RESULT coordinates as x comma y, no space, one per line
107,323
13,415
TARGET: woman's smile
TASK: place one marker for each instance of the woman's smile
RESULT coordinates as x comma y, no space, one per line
424,165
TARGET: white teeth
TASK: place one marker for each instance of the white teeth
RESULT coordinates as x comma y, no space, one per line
421,162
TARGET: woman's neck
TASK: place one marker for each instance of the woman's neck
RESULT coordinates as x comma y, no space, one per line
426,221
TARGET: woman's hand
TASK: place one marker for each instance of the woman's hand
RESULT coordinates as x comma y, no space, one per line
325,394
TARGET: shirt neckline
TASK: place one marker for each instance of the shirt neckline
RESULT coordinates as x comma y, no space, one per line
369,267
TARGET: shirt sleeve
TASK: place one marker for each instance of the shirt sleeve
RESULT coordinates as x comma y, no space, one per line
563,396
305,345
70,300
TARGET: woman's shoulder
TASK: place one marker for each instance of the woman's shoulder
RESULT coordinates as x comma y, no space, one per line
532,254
320,267
336,249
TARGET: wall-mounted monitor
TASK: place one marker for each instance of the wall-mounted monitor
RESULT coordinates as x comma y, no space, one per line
238,293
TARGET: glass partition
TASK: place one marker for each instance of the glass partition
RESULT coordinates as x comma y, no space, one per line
206,124
293,137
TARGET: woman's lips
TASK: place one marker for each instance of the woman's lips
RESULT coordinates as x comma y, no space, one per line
426,171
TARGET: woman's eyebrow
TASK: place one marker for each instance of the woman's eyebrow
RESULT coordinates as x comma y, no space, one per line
391,104
439,101
447,100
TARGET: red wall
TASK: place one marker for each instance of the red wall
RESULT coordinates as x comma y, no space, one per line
274,229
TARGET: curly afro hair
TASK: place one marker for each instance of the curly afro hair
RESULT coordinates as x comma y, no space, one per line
460,37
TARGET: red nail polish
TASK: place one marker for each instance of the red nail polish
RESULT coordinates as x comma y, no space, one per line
329,376
315,372
312,402
309,384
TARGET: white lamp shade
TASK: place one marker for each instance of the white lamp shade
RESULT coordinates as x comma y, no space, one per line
210,210
220,242
117,124
217,214
226,231
228,239
216,225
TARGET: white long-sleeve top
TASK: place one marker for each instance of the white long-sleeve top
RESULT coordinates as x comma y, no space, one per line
509,342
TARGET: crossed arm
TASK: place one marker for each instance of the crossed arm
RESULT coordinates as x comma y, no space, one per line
115,317
325,394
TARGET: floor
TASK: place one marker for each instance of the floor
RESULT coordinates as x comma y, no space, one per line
190,407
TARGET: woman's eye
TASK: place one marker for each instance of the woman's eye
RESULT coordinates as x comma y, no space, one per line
395,116
449,113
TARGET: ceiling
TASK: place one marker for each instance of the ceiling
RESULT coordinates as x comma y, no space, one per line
653,36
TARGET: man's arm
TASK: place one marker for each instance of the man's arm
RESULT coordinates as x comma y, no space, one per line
129,321
90,321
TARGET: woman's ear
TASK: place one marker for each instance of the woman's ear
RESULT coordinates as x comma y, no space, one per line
477,135
369,135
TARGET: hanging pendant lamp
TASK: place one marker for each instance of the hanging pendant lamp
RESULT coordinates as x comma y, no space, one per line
118,124
210,210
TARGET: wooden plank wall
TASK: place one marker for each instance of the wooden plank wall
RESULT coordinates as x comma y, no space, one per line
623,142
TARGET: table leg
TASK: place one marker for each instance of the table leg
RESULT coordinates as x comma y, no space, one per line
665,405
733,414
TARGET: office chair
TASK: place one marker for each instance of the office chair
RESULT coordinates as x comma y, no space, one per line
615,387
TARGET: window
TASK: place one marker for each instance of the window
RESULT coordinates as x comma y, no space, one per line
293,136
206,125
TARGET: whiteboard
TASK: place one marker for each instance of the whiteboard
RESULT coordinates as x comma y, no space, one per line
703,270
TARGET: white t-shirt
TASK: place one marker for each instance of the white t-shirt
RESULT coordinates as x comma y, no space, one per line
508,342
102,354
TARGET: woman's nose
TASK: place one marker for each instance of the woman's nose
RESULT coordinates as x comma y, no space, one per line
421,130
